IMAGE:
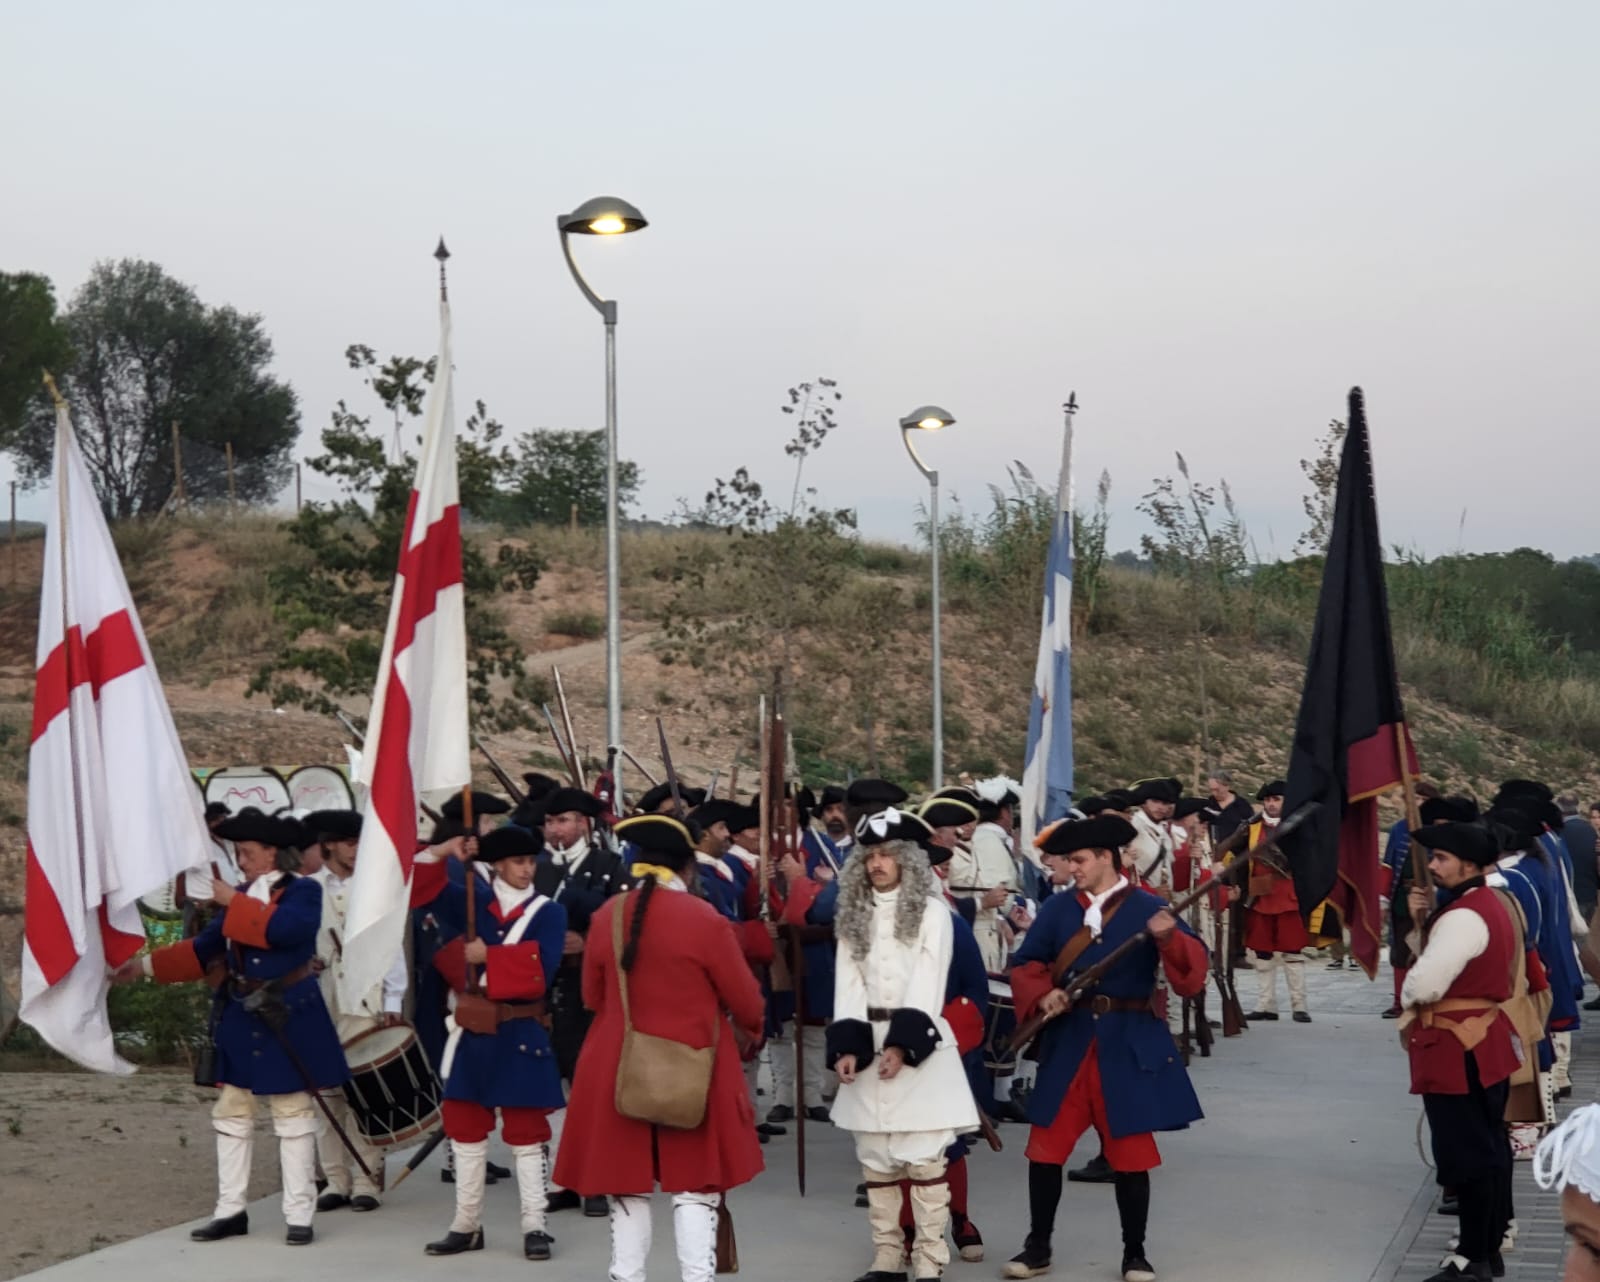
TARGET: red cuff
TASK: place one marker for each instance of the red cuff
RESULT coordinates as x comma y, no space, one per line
176,963
451,962
1183,957
513,973
246,920
1538,978
756,943
1029,984
965,1022
802,894
428,882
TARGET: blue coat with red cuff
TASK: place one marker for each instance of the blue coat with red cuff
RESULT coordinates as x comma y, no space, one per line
513,1067
1145,1085
259,941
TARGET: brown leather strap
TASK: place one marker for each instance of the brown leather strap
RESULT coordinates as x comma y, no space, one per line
1074,947
282,982
879,1014
1101,1004
507,1011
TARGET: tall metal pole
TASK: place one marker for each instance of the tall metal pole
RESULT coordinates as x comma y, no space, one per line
938,664
613,547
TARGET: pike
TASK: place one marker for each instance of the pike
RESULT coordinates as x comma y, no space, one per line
634,762
568,762
678,811
512,790
774,800
1088,978
572,739
344,720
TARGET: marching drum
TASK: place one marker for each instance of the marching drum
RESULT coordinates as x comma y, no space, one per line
998,1057
392,1090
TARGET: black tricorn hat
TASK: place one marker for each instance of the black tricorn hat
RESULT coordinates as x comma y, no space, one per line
1166,790
658,796
1191,806
658,835
874,792
483,803
1273,788
216,810
339,825
1518,829
1524,788
832,795
1463,810
892,825
742,818
1471,842
1119,799
955,792
1103,832
539,785
251,824
947,812
507,842
1089,807
717,810
564,800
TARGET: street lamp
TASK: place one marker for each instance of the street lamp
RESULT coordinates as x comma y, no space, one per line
607,216
930,418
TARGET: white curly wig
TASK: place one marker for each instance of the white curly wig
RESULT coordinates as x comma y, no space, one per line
853,922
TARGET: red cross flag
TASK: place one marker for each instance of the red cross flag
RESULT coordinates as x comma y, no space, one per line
417,739
113,812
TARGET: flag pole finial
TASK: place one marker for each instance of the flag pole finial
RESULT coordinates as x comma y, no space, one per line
55,392
442,254
1071,406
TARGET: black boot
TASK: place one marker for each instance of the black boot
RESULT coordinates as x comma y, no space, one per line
536,1245
1095,1171
230,1226
453,1243
1030,1262
298,1235
496,1172
333,1201
1133,1210
562,1200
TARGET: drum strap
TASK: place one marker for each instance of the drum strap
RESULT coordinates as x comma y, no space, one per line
1074,947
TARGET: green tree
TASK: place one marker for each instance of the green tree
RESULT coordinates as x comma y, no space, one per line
553,471
32,339
334,596
147,353
1323,473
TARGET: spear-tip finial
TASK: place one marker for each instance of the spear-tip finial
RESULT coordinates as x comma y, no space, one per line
1072,403
55,392
442,254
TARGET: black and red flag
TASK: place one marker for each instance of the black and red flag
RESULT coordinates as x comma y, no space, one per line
1351,730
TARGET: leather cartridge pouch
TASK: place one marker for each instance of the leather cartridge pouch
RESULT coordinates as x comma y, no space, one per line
659,1081
475,1013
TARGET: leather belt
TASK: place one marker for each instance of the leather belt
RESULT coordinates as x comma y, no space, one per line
504,1012
244,987
1100,1004
879,1015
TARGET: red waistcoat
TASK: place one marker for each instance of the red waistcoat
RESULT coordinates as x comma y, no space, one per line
1438,1056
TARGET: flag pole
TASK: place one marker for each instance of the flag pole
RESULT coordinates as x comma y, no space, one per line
1420,873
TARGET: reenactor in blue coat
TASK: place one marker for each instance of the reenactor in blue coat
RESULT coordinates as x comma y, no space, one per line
271,1032
498,1057
1105,1059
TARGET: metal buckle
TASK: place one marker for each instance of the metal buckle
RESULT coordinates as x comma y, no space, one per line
1100,1004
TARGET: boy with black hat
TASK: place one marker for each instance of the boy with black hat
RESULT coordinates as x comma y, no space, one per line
1150,853
498,1057
259,950
1274,932
987,872
1104,1061
1461,1043
338,832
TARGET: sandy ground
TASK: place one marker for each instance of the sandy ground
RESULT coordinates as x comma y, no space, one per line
89,1160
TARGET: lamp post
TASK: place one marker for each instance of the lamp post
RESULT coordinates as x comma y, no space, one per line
607,216
930,418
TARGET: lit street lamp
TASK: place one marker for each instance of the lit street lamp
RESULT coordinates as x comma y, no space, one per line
930,418
607,216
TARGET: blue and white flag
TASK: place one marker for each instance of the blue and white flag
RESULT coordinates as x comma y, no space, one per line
1047,776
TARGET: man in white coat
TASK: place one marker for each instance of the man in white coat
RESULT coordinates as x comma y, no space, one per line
338,832
986,872
902,1091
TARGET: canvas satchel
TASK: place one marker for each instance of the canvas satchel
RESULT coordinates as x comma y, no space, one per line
659,1080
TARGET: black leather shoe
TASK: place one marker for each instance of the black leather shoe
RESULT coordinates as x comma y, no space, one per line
1135,1268
332,1201
232,1226
1254,1015
563,1200
1302,1017
363,1202
969,1242
767,1128
497,1172
1564,1093
536,1245
453,1243
780,1113
298,1235
595,1208
816,1113
881,1275
1448,1205
1592,1005
861,1196
1497,1265
1453,1270
1029,1262
1392,1013
1095,1171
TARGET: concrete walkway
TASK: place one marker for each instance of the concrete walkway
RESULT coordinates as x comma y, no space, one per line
1305,1168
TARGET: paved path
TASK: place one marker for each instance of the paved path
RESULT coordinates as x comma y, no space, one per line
1305,1168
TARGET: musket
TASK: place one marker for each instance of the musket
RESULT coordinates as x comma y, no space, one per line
678,811
782,810
511,789
634,762
419,1157
568,762
764,843
572,739
469,825
1090,976
344,720
711,788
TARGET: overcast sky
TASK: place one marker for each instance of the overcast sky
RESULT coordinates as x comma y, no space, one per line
1208,218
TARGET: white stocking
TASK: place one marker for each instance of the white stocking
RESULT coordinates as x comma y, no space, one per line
694,1232
630,1238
